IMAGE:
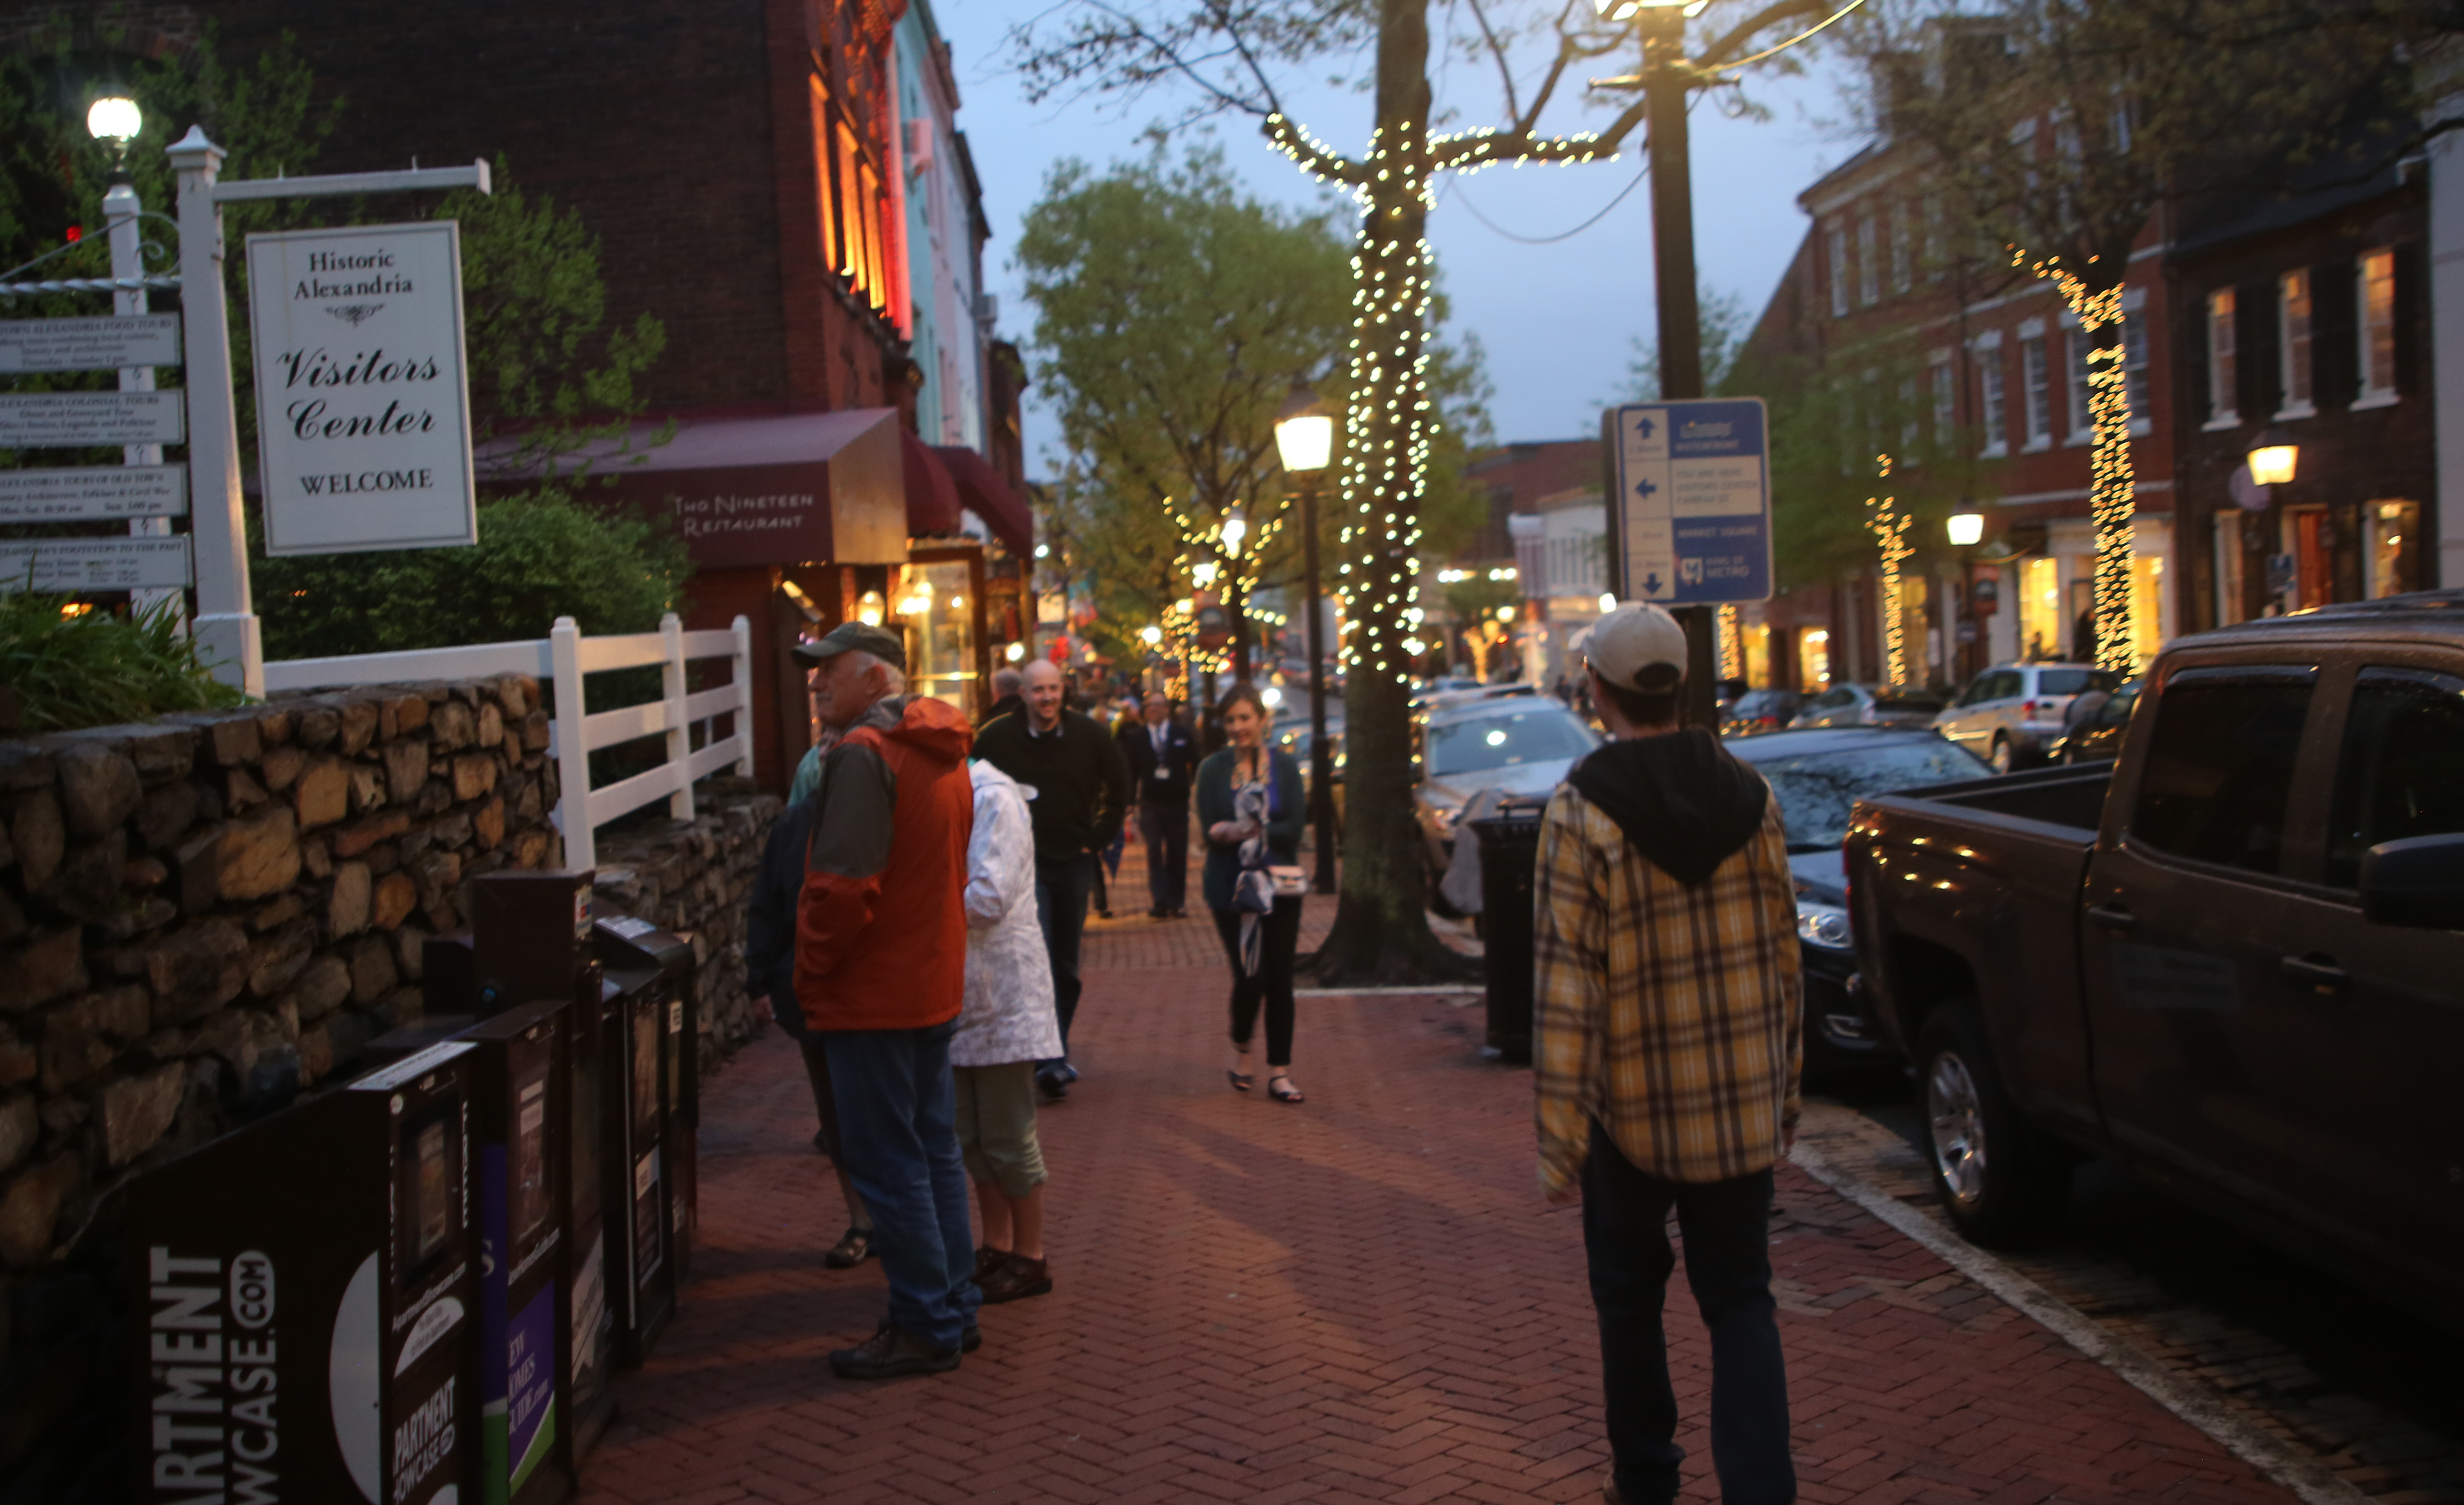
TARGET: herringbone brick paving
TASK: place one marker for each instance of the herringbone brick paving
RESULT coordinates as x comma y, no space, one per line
1360,1299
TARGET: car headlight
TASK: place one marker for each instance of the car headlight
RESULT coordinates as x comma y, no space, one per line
1824,925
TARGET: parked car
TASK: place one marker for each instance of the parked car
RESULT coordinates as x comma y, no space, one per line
2099,737
1818,776
1296,741
2010,713
1520,744
2228,958
1760,711
1866,705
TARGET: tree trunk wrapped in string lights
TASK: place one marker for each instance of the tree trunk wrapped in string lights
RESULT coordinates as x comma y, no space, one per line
2112,491
1890,528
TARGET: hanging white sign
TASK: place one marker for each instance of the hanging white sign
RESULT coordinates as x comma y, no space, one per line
74,565
89,345
77,420
362,409
72,492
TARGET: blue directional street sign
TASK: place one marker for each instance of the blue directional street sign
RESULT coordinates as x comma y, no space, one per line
1694,502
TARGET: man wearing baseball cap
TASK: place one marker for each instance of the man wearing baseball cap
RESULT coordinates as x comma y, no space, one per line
881,946
1666,1056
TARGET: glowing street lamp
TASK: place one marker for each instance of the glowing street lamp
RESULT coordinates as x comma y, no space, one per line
1304,442
115,121
1966,529
1151,635
2272,457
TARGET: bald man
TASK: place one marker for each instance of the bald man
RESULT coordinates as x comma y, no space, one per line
1080,795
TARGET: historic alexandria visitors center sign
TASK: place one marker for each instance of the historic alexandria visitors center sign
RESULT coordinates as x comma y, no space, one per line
363,409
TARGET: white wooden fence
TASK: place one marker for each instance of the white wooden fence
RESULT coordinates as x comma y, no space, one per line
562,659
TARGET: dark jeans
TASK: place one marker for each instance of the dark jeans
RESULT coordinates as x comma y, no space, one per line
1061,891
1165,831
1727,1225
1272,985
899,1138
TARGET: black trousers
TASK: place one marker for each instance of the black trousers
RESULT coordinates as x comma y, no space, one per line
1165,831
1272,985
1727,1225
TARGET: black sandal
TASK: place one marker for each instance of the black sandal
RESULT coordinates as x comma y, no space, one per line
1241,1081
1280,1088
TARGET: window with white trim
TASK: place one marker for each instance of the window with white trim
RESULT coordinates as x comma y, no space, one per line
2075,345
1946,397
1869,264
2377,279
2223,412
1902,271
1988,400
1838,272
2036,393
2293,343
1933,241
2134,375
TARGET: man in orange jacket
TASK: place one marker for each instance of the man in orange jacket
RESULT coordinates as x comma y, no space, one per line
881,948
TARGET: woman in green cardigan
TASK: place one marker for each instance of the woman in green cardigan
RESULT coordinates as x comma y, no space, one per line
1250,801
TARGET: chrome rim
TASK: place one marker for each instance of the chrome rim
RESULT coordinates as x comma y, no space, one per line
1958,1129
2001,757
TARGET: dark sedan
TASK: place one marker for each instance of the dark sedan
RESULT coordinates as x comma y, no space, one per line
1818,776
1759,711
2098,737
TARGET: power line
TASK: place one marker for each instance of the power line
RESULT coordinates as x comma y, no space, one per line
1542,240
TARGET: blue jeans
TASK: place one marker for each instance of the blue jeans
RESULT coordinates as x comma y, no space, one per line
898,1141
1061,892
1727,1225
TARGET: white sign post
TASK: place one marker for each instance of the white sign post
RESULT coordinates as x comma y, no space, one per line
227,625
363,412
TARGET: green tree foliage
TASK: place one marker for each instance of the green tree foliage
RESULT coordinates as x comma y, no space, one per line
539,556
543,363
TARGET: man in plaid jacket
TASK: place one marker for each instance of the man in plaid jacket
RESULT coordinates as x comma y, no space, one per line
1667,1056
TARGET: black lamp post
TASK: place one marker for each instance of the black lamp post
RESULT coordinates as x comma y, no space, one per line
1304,440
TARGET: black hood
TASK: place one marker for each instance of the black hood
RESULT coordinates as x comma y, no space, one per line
1685,802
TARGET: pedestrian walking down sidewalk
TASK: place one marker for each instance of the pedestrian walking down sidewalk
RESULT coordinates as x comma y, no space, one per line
1666,1058
1006,1027
881,942
1249,796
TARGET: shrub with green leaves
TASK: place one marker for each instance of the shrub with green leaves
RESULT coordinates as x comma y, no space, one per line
93,669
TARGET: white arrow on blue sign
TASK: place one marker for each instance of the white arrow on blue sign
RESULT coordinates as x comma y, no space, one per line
1694,492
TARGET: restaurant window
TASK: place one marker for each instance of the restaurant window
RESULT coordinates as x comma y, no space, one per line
936,608
2394,530
2040,608
2222,396
2377,329
2293,343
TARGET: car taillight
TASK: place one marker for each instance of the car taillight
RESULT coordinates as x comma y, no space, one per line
2027,712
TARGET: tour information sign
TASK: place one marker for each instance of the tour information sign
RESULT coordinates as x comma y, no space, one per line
89,345
1693,504
363,411
78,492
75,420
73,567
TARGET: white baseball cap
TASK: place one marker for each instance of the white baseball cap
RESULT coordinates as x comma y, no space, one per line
1634,637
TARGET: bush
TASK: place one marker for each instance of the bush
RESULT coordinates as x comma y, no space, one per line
94,669
538,557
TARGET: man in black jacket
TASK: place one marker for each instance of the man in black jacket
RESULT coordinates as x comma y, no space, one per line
1162,755
770,982
1081,793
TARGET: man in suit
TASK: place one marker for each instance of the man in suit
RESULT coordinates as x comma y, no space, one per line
1163,754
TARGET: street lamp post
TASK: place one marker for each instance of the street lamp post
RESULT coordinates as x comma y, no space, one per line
115,122
1966,529
1235,528
1305,442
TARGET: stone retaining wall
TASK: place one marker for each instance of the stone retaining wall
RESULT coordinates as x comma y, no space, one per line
202,916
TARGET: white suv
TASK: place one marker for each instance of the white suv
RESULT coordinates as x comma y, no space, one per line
2010,713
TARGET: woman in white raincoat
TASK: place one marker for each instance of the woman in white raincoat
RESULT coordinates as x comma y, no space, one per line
1008,1026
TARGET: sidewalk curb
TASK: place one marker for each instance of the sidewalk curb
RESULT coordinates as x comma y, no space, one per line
2194,1403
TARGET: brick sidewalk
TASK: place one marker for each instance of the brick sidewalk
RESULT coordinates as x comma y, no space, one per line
1358,1299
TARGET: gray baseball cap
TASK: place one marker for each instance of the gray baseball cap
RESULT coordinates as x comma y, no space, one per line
861,636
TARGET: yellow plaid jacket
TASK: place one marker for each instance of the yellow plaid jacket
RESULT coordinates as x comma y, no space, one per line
1670,1014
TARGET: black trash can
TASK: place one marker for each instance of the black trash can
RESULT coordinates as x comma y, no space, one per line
1510,853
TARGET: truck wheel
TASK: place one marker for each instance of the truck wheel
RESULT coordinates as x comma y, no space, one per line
2004,757
2000,1186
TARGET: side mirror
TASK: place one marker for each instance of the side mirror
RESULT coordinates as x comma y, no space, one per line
2418,882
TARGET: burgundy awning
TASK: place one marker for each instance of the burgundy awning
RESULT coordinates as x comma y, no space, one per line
1003,510
765,489
932,496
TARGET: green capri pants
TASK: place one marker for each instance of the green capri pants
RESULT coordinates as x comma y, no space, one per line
997,1125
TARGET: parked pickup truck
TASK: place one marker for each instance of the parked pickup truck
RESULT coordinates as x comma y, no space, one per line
2233,958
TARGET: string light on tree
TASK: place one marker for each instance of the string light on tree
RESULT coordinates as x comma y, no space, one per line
1890,528
2112,490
